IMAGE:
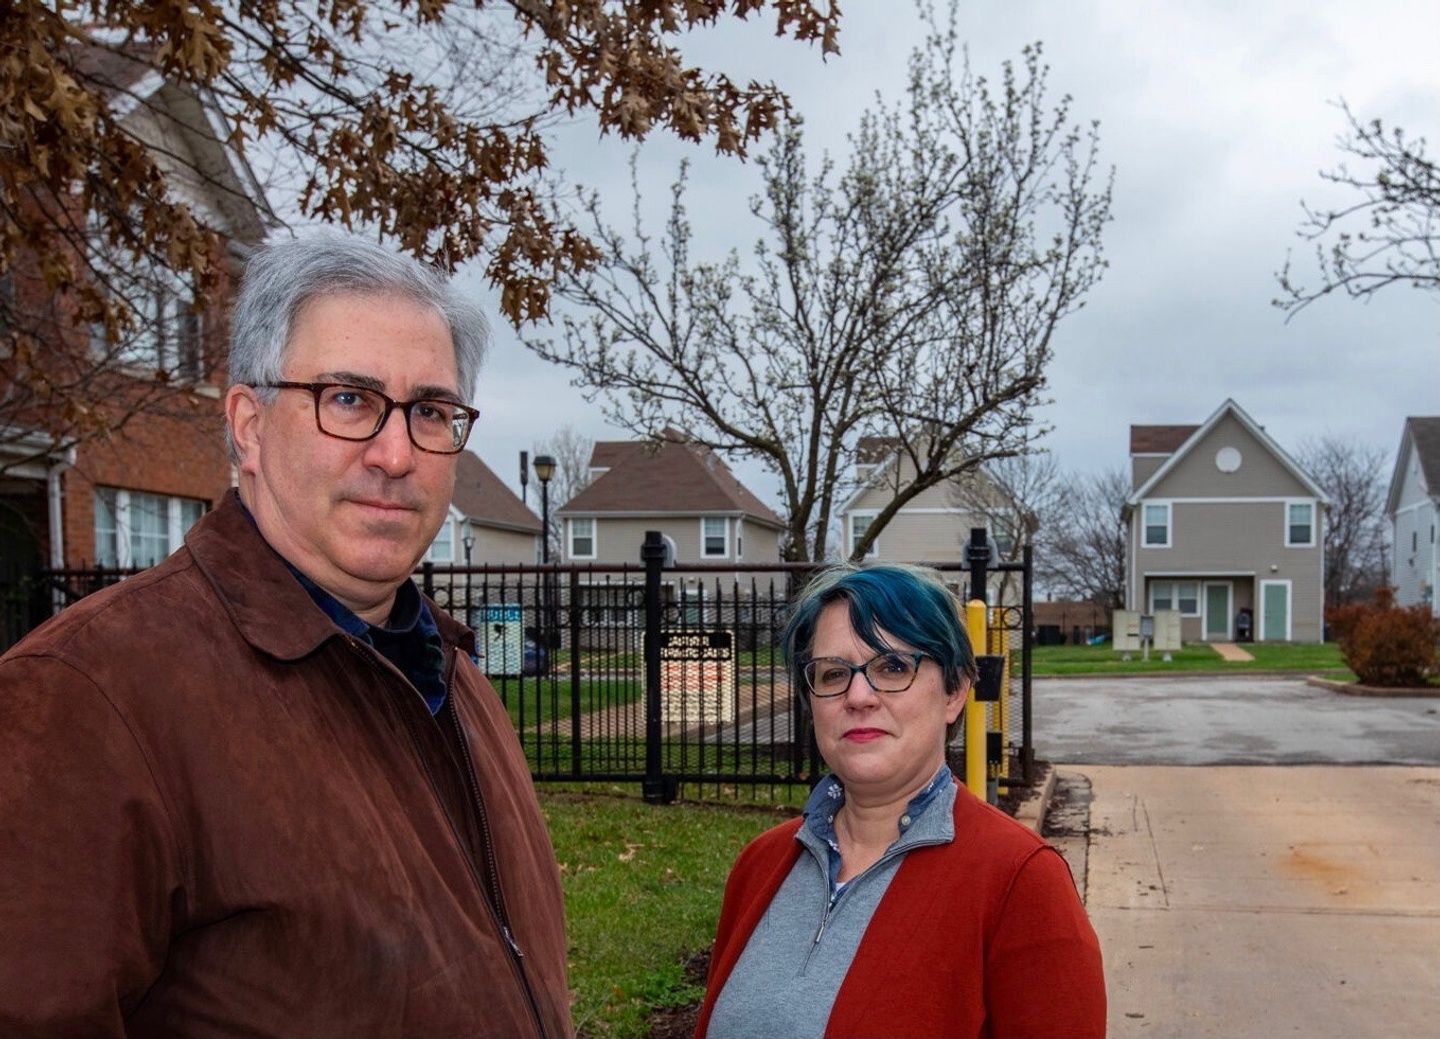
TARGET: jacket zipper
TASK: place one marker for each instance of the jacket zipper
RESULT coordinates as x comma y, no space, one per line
495,906
491,863
834,898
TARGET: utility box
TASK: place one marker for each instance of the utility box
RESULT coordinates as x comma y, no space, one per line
1133,630
1125,630
1166,636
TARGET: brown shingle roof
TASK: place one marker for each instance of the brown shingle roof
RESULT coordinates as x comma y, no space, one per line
483,496
1159,440
672,477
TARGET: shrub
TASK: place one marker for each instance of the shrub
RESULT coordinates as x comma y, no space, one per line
1385,644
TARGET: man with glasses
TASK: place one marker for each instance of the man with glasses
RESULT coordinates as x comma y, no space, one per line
262,788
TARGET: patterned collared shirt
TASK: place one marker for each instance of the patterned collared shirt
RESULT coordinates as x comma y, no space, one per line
828,798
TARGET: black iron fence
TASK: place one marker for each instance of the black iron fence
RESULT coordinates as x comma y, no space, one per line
670,678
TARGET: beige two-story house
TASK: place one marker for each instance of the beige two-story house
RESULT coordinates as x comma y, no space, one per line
684,490
935,526
1224,526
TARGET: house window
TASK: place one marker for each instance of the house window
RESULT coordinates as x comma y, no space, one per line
860,524
1176,595
1004,542
1157,526
442,549
1300,525
713,536
133,528
582,538
166,332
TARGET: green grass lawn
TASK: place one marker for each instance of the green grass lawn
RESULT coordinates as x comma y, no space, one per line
1268,656
643,885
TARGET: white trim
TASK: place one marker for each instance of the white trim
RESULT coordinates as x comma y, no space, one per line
850,518
1229,586
724,552
1175,594
1314,522
1257,500
1167,505
570,537
1201,573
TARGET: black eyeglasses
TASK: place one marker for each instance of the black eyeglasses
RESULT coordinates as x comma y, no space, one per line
886,673
348,412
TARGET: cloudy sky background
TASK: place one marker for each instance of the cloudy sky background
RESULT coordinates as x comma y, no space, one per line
1217,116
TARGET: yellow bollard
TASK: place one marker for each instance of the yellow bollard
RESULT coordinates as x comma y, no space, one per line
975,716
1001,636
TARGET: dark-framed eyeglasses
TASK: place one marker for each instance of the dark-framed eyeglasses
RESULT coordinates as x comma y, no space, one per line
348,412
886,673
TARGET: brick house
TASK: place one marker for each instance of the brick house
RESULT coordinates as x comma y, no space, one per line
125,498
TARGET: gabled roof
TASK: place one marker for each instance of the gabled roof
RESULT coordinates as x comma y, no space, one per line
483,497
1422,436
128,80
671,477
1199,433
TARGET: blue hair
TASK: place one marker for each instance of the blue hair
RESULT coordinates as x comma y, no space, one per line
911,604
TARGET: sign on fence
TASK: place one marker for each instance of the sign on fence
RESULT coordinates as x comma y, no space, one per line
697,677
502,634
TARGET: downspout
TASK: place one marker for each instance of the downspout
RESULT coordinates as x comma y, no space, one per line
55,492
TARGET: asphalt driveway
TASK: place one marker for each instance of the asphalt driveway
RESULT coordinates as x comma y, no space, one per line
1229,720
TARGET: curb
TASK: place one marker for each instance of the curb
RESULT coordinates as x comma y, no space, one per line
1356,689
1031,813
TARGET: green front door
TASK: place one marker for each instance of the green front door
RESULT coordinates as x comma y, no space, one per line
1217,612
1275,611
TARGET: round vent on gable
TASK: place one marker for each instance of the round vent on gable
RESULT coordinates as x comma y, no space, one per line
1227,459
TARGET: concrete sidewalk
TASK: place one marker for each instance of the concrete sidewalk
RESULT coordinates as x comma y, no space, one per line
1265,901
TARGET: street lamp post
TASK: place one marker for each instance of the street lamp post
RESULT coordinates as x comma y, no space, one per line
544,470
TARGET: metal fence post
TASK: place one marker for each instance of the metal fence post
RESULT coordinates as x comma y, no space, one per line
655,787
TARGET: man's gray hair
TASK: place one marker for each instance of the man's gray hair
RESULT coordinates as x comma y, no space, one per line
283,275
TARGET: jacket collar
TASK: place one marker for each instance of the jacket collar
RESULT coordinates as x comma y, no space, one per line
266,603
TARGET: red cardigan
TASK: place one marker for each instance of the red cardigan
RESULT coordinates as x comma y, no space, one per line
984,936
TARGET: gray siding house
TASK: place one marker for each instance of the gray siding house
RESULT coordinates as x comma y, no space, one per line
1224,526
487,523
1413,505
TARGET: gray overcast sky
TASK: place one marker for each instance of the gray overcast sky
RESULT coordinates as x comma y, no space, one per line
1217,116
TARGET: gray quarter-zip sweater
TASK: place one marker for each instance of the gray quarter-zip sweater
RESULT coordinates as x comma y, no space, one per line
786,980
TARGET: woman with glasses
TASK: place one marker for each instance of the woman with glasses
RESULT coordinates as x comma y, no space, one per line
899,904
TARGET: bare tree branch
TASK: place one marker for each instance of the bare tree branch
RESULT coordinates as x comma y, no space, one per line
1389,236
913,296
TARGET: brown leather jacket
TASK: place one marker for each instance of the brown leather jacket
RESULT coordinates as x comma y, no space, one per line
221,815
